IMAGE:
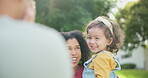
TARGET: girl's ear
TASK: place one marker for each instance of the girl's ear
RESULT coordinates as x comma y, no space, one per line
110,40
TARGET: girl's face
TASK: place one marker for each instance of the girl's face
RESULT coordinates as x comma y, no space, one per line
75,51
96,39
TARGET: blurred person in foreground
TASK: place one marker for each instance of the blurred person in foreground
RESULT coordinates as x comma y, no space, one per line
29,50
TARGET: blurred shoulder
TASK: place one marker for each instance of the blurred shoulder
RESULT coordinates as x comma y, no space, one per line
8,24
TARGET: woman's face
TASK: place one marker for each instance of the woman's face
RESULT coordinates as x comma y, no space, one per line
74,50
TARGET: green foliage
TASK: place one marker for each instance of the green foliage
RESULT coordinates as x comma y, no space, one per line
66,15
128,66
132,74
133,19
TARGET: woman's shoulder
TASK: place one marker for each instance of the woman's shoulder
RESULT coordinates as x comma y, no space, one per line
78,73
81,68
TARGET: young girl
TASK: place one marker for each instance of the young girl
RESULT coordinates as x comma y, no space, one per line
104,38
78,50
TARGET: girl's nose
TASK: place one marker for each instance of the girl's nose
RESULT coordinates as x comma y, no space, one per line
92,41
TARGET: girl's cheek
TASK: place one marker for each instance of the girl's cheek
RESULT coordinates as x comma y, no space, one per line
97,42
88,42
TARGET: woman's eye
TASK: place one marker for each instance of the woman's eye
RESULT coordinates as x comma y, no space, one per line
69,48
78,48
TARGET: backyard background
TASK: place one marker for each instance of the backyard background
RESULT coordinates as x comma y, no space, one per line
132,16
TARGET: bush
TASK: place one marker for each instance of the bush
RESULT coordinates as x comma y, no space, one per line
128,66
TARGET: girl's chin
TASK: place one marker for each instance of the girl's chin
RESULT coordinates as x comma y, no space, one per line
94,51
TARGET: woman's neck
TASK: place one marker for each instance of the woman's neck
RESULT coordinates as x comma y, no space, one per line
76,68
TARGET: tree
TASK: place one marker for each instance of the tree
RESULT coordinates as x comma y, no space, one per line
133,19
66,15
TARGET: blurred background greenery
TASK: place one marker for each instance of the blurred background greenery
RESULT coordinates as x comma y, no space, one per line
67,15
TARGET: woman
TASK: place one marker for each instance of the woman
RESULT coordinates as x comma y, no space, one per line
78,49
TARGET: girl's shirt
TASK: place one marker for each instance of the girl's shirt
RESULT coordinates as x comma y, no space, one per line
102,65
78,73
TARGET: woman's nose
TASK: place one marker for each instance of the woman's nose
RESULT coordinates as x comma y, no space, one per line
73,52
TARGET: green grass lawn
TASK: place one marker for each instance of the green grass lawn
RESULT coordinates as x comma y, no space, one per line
132,74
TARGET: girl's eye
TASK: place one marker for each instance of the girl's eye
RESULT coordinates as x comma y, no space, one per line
89,38
97,38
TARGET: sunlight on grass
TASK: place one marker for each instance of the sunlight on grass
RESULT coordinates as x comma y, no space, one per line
132,74
122,76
